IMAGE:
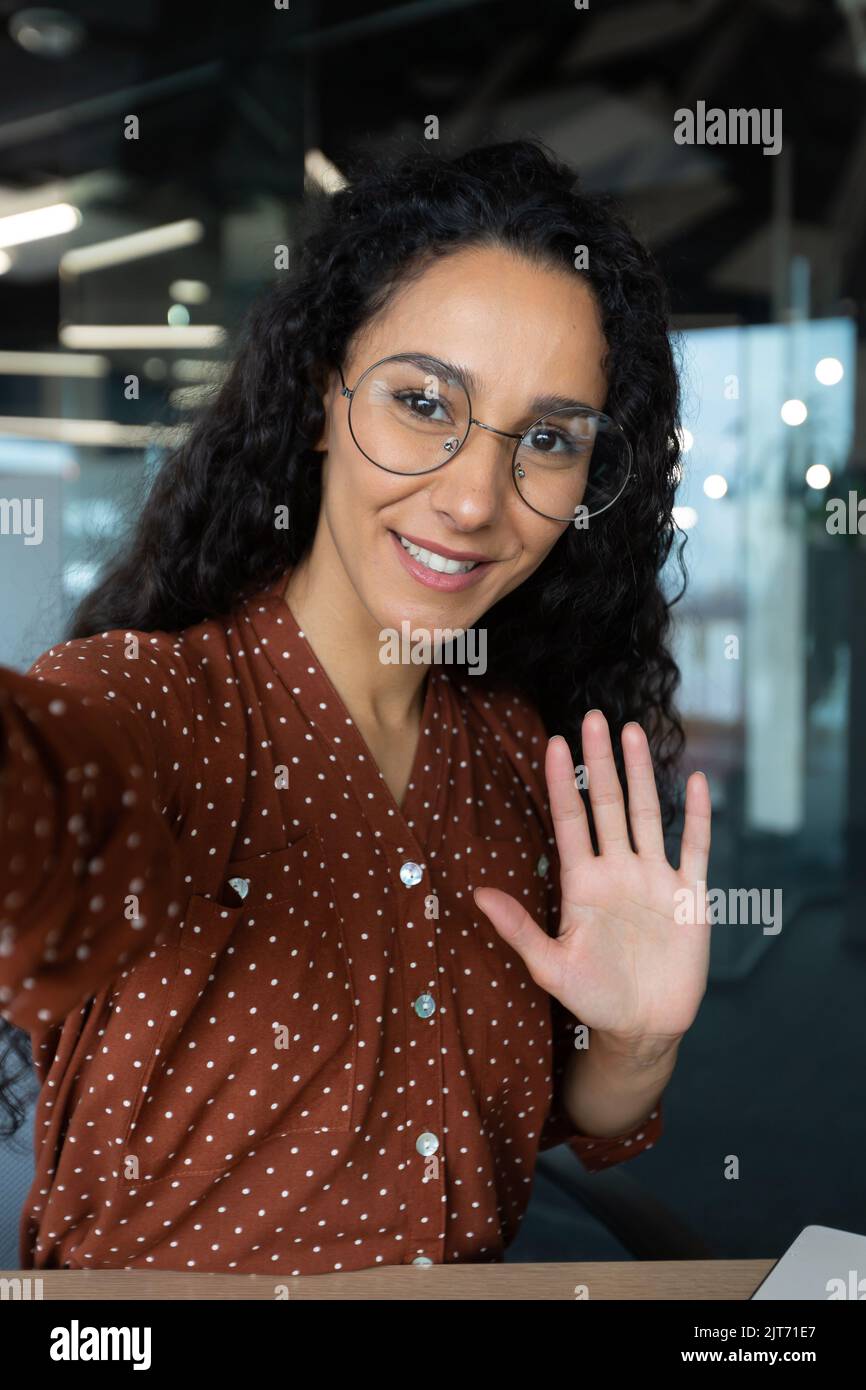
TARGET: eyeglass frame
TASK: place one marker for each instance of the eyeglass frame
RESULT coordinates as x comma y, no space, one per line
419,358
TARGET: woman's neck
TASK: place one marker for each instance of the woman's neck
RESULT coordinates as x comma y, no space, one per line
346,639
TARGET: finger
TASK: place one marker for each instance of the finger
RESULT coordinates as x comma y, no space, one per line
695,843
605,792
570,824
644,811
536,949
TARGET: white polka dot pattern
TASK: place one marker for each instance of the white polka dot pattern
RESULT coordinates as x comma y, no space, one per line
261,1045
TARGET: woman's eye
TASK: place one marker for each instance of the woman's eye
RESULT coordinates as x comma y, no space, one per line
545,441
422,405
555,442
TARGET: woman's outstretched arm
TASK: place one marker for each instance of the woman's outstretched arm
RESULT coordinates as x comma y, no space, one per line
91,777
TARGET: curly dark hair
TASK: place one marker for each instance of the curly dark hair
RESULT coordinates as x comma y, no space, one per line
590,627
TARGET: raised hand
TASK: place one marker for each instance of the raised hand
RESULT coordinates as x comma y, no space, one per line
622,963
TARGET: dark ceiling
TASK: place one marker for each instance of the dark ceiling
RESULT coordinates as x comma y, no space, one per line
230,96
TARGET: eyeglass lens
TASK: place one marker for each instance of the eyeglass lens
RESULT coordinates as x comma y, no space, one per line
408,418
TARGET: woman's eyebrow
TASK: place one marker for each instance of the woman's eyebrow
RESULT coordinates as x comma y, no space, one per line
548,404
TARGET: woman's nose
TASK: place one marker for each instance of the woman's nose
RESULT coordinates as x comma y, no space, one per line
476,482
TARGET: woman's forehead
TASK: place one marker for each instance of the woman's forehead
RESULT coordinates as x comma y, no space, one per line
511,325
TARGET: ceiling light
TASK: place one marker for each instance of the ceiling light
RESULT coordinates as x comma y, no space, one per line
189,291
47,33
21,227
794,412
818,476
322,172
715,486
117,250
99,433
77,364
140,335
829,371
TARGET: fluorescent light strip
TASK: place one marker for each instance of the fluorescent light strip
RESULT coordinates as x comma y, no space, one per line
190,397
53,364
190,291
99,433
141,335
198,369
21,227
319,168
135,246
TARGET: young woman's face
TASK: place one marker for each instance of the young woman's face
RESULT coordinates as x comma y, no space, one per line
523,332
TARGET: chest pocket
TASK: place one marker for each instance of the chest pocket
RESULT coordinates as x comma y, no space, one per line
257,1037
521,869
498,1003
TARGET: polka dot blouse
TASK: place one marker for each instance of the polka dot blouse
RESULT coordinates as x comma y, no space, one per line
272,1030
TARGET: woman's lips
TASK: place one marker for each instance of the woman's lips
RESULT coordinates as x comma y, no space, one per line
433,579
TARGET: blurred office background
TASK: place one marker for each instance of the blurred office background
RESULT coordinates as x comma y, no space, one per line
154,155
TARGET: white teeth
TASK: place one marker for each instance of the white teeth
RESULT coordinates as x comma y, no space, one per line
437,562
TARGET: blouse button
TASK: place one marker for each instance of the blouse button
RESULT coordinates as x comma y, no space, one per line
542,866
421,1260
425,1005
411,873
426,1144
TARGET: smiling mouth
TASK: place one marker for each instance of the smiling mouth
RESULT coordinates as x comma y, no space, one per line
441,564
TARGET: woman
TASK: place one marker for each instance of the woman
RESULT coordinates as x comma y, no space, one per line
316,947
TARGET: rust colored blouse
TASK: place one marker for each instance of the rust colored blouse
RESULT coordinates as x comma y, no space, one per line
272,1030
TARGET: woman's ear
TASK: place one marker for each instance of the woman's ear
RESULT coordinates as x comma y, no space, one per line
321,444
328,384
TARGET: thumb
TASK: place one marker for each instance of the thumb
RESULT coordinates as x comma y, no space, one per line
536,949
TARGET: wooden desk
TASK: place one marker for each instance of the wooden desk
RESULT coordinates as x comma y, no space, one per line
639,1279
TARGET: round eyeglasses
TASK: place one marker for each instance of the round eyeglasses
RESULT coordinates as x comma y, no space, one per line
412,414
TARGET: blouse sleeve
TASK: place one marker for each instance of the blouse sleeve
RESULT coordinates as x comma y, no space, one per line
595,1154
90,776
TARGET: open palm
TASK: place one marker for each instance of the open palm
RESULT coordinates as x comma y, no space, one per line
622,962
